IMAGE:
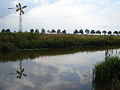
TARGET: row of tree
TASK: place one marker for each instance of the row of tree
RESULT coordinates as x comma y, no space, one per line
81,31
98,32
48,31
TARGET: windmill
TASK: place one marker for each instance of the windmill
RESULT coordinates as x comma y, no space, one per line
19,73
19,9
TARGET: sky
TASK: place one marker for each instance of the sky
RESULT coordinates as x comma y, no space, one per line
62,14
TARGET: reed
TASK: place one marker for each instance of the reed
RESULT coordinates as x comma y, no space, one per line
106,74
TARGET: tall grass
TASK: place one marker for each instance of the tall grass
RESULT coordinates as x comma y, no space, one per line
106,74
38,41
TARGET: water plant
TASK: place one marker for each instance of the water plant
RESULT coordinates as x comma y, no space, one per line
106,74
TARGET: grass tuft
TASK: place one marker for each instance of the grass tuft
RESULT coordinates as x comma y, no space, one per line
106,74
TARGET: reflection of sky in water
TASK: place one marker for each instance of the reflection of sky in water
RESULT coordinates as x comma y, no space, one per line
61,72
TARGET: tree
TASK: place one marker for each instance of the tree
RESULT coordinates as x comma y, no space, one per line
53,31
109,32
36,31
64,31
119,32
76,31
48,31
98,32
81,31
58,31
104,32
115,32
3,30
92,32
87,31
26,31
8,30
43,31
32,30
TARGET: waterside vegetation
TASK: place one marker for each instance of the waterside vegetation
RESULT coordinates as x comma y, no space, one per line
18,41
106,74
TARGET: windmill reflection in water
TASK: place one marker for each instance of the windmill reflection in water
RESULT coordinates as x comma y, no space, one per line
19,73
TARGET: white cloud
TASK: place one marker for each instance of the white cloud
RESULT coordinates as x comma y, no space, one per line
99,1
67,14
25,82
35,1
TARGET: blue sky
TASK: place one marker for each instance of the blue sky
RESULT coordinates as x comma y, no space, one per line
63,14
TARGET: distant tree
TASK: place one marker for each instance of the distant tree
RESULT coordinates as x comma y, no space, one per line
81,31
26,31
115,32
48,31
87,31
64,31
43,31
98,32
36,31
58,31
104,32
119,32
53,31
92,32
32,30
76,31
8,30
109,32
3,30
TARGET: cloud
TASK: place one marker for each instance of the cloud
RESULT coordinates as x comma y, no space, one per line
25,82
99,1
66,14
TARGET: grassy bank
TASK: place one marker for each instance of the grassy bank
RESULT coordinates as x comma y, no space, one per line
14,41
106,74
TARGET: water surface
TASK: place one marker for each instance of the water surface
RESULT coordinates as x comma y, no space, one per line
36,71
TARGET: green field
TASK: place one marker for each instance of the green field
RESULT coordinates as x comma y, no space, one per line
14,41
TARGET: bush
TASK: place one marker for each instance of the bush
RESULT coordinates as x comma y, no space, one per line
5,47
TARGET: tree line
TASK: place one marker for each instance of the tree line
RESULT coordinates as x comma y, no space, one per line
98,32
59,31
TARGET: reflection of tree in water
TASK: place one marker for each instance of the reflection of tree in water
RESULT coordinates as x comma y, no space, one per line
111,52
19,73
31,54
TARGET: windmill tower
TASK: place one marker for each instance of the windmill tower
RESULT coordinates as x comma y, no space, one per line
19,9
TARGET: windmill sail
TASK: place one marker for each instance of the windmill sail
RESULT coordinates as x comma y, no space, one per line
24,7
22,11
19,5
17,9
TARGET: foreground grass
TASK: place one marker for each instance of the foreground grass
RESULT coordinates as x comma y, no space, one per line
106,74
11,41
